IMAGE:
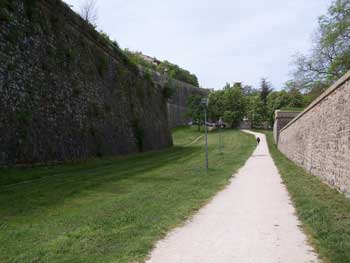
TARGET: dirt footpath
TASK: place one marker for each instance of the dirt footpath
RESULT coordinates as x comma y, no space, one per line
251,221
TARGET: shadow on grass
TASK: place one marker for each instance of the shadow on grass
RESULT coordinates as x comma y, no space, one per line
55,188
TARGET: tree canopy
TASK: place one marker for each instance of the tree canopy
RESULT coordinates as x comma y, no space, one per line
329,57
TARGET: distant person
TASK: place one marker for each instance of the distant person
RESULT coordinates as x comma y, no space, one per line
258,140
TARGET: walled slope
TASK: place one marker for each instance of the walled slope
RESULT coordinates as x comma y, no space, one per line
68,93
319,138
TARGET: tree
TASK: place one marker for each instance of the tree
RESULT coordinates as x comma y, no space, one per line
265,90
195,109
228,103
329,58
89,12
234,102
216,105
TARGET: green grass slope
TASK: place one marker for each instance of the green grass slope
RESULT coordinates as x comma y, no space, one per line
111,209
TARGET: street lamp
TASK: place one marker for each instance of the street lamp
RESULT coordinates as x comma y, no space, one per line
205,102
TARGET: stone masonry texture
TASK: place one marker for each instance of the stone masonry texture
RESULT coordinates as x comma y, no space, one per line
282,118
319,138
177,104
67,92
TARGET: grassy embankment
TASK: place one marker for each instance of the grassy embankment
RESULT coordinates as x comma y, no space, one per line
325,213
111,209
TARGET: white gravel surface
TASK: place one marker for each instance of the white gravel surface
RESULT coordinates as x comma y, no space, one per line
251,221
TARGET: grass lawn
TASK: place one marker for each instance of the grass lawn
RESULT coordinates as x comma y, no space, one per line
324,212
111,209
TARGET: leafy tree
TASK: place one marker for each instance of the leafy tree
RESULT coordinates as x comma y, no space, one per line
228,103
216,105
265,90
262,107
296,99
235,103
330,56
195,109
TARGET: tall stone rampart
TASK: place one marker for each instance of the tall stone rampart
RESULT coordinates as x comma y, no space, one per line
177,106
318,139
68,92
177,103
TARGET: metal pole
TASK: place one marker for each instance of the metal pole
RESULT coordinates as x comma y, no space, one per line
220,138
206,140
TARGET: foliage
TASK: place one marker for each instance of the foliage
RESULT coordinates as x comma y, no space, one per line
216,104
195,109
228,103
169,89
175,72
164,67
234,102
324,212
265,91
4,6
279,100
137,60
329,58
111,209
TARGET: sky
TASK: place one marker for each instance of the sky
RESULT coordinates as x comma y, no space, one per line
220,41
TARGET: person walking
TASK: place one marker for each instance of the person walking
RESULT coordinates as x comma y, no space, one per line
258,140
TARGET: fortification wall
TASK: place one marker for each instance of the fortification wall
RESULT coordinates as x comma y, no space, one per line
282,118
319,138
66,92
177,105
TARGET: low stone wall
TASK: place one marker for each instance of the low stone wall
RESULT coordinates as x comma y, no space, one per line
282,118
319,138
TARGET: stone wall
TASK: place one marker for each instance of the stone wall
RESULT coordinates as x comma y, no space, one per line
177,106
66,92
319,138
282,118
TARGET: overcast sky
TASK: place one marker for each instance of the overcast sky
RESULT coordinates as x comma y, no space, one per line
220,41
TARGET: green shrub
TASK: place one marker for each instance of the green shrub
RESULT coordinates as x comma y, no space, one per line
168,90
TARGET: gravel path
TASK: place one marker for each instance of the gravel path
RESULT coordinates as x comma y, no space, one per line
251,221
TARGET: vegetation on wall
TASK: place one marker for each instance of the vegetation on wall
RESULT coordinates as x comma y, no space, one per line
169,89
77,96
164,67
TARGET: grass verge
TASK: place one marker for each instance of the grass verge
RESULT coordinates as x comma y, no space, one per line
325,212
111,209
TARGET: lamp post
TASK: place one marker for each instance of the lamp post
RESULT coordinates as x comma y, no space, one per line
205,103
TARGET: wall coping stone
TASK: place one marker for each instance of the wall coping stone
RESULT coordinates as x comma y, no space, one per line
324,95
286,114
